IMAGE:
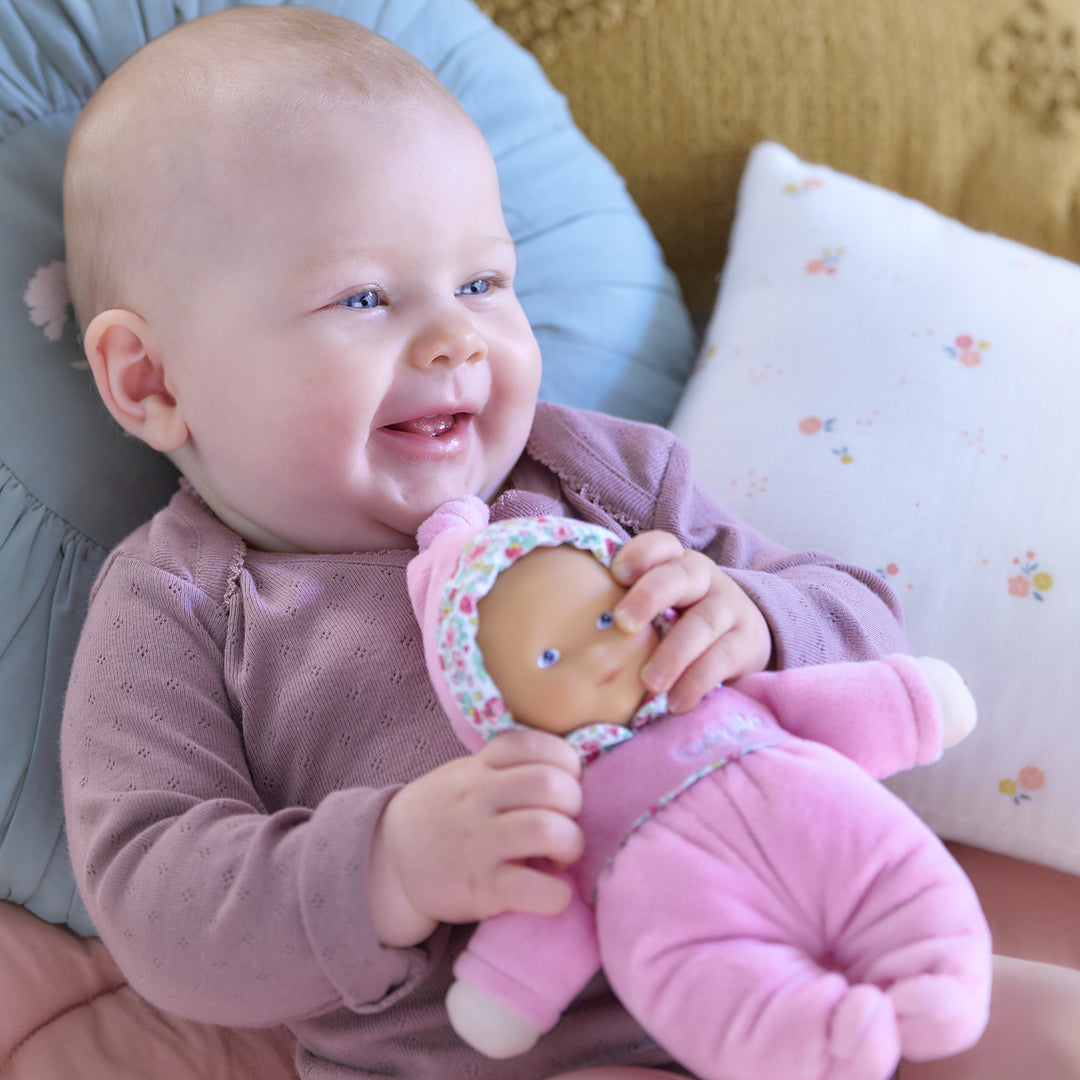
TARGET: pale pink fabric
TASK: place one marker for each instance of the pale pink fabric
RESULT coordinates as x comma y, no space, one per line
66,1011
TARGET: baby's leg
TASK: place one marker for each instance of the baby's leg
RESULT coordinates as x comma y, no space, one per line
1031,908
620,1072
1033,1029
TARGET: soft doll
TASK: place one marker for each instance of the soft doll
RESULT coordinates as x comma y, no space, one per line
757,900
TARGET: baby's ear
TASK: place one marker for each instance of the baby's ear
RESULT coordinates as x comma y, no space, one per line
132,379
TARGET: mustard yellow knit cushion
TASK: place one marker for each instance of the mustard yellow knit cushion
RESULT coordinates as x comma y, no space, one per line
972,106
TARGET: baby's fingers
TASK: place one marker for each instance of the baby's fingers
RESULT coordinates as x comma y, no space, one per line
717,665
678,583
642,552
692,655
539,834
524,888
542,787
516,748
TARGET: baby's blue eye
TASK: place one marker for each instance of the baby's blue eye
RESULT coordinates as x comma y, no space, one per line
475,288
606,621
361,301
548,657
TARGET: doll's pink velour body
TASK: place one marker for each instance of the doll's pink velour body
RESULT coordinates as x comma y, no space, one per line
757,900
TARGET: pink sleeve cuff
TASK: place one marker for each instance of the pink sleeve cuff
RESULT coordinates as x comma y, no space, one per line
925,708
534,965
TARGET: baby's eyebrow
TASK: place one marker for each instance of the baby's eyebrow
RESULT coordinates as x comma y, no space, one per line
329,262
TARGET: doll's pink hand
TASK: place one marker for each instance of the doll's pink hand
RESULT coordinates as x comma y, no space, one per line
452,846
720,635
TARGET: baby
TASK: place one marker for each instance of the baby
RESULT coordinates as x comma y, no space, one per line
290,265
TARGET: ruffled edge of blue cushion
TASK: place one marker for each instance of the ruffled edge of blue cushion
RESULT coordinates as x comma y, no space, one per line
49,568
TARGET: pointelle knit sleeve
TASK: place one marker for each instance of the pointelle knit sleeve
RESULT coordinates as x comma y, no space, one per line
214,908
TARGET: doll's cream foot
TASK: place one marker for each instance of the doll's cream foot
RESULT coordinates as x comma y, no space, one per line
863,1040
958,712
935,1016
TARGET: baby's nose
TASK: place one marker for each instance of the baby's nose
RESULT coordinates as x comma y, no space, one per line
450,338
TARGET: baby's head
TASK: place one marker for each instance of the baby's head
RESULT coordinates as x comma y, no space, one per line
287,253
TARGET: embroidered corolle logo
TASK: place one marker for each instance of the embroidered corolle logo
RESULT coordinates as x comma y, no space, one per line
1036,54
733,728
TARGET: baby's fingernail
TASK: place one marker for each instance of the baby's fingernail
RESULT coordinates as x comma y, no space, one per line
620,573
629,624
674,705
652,678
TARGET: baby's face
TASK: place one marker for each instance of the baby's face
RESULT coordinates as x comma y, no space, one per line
550,644
353,353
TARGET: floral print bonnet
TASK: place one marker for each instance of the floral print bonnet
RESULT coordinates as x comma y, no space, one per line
482,554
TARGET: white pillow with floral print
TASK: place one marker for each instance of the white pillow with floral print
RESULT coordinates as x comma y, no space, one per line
887,385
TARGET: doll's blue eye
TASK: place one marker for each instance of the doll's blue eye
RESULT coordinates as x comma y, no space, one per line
548,657
606,621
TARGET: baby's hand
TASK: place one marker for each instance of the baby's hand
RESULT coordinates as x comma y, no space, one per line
721,634
453,846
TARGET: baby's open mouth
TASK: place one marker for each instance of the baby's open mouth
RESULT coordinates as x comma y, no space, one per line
431,426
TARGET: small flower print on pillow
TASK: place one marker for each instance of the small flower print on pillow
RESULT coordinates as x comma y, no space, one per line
1030,778
838,447
827,263
48,299
967,350
1031,581
803,187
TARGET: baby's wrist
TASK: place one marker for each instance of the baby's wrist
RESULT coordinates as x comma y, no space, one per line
397,922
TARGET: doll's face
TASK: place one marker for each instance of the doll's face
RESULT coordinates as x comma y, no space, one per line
551,646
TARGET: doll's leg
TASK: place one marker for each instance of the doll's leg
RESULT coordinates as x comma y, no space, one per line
1032,1032
773,913
894,909
741,1009
709,966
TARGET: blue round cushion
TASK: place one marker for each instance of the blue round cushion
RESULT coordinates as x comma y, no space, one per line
606,310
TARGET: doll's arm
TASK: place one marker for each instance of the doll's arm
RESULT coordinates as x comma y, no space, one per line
886,715
518,974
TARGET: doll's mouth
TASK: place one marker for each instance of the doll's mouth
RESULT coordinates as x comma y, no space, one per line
610,677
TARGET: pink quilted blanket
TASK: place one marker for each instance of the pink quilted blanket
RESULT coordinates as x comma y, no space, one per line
65,1010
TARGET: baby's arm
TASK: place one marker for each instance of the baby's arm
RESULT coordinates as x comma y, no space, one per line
456,844
215,908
